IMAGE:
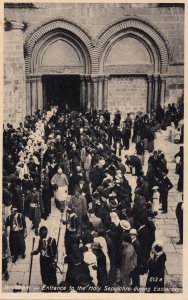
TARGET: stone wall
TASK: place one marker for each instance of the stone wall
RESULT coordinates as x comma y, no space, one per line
14,76
95,18
174,89
127,94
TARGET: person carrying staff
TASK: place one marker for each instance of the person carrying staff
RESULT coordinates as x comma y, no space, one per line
48,250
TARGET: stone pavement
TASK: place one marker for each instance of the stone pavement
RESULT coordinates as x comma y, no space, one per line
166,230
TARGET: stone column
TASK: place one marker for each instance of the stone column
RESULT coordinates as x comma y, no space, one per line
105,96
28,96
88,93
162,90
14,88
100,93
150,94
156,91
39,93
82,92
95,80
34,100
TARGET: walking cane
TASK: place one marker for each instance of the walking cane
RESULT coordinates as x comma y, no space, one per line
31,264
59,233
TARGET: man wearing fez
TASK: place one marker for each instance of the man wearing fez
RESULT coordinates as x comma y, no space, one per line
48,250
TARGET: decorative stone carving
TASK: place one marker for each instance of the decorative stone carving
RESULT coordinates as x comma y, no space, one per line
129,69
61,69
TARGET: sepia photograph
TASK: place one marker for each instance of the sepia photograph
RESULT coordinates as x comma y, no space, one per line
93,147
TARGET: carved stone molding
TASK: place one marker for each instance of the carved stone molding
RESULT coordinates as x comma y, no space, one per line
48,27
13,25
61,69
128,69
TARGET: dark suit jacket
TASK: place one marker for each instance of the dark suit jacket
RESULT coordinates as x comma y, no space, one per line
136,245
84,189
165,186
145,244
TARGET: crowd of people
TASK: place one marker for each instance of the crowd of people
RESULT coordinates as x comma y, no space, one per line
110,231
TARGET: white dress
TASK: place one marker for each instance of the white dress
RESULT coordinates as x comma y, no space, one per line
156,204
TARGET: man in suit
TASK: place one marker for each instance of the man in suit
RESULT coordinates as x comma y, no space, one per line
145,244
135,274
164,187
79,204
84,189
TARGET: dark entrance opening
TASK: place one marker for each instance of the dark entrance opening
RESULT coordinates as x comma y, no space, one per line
62,90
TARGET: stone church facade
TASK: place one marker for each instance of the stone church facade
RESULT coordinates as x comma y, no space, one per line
116,56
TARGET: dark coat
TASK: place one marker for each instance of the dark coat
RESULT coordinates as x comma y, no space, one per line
7,199
97,176
155,280
84,189
47,265
145,244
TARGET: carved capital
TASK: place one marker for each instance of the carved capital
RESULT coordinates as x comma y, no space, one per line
156,77
82,78
106,77
150,78
94,79
12,25
162,78
88,78
101,78
34,78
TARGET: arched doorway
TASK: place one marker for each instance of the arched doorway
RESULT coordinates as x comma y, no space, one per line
57,63
133,56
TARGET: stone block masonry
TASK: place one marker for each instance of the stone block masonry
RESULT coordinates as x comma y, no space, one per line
127,94
14,76
92,21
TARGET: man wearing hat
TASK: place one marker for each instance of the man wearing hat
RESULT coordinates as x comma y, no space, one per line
18,232
164,187
79,204
84,189
48,250
128,260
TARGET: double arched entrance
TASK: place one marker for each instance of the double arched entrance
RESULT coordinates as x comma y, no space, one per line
123,68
